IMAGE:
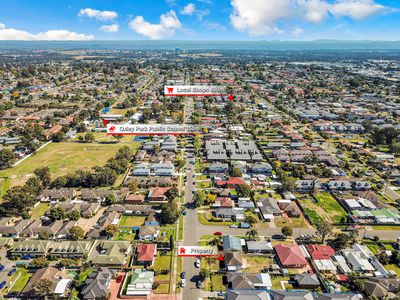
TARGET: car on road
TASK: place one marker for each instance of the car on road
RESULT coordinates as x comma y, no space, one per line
194,182
1,267
183,275
184,213
192,162
233,226
2,284
11,272
218,233
198,284
279,237
183,282
221,293
197,263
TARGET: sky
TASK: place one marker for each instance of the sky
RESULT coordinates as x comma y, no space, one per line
199,19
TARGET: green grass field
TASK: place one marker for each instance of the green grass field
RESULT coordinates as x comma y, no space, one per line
39,210
63,158
23,279
330,206
131,221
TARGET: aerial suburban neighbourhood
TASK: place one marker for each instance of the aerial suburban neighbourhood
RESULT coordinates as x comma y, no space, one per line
200,149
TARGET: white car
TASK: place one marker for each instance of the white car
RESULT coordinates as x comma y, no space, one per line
183,282
233,226
197,263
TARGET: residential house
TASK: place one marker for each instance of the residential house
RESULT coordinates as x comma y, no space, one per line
235,214
259,247
13,229
231,243
70,249
148,233
321,257
249,281
97,285
291,256
51,274
152,220
247,294
268,208
110,253
307,281
32,248
57,194
233,261
146,254
157,194
141,283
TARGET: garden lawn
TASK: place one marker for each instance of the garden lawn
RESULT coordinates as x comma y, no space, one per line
131,221
394,268
203,220
39,210
63,158
257,263
330,206
22,279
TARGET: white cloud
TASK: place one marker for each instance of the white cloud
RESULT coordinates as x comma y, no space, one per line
104,15
188,9
316,10
260,17
356,9
110,28
169,22
214,26
50,35
298,31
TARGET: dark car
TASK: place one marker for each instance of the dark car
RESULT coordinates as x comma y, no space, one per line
119,278
183,275
1,267
11,272
198,284
2,284
279,237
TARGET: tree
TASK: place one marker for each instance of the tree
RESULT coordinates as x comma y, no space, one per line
76,233
204,273
236,172
324,229
40,262
57,213
156,149
341,241
110,199
43,287
68,262
74,215
383,258
171,242
111,230
251,219
89,137
44,175
133,186
169,212
172,193
7,158
243,190
252,234
200,198
287,231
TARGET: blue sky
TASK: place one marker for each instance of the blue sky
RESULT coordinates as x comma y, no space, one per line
199,19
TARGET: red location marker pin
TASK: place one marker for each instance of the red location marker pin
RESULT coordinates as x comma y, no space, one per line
105,122
231,98
220,258
182,251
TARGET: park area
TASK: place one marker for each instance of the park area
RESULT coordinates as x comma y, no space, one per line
62,158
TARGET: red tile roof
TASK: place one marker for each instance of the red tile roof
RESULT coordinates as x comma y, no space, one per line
320,252
290,255
158,192
146,252
235,181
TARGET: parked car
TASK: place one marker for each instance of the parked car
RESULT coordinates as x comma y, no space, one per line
2,284
11,272
198,284
218,233
233,226
119,278
183,282
1,267
183,275
279,237
197,263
